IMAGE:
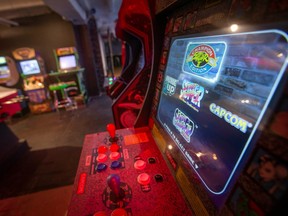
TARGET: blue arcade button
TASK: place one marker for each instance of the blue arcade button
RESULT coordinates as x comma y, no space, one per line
101,167
115,165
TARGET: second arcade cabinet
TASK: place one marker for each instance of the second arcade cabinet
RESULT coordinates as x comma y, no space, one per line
67,83
134,28
32,69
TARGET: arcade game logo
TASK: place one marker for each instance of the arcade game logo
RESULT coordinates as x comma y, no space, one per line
183,124
169,87
204,60
230,118
191,94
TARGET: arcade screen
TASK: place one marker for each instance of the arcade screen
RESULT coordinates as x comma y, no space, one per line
4,69
30,67
67,62
216,91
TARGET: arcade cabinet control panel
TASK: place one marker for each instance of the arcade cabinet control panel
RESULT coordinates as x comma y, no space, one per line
123,173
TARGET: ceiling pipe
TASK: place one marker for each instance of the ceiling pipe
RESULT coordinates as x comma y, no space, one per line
19,4
8,22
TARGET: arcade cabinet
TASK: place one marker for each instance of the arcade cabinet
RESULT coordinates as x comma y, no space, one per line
12,102
32,69
9,75
216,138
67,83
134,28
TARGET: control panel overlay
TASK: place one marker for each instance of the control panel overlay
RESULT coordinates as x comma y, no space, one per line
141,183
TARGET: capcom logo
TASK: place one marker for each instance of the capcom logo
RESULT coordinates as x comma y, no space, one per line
230,118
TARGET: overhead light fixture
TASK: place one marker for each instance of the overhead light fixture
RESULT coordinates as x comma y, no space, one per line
234,27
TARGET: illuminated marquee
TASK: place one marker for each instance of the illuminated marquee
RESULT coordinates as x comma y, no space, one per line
204,59
230,118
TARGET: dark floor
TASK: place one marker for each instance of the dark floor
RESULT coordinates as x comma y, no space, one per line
67,128
47,170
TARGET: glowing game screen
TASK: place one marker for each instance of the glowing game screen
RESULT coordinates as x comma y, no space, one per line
2,60
67,62
215,93
4,69
30,67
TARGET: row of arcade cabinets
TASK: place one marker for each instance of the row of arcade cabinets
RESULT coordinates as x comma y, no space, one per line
44,91
214,141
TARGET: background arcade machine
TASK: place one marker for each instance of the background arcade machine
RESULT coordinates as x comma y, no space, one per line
12,99
9,74
67,83
134,28
32,69
12,102
217,133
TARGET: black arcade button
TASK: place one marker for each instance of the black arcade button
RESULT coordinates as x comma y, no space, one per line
151,160
158,178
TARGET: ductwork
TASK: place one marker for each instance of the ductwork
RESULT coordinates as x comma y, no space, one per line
75,11
69,9
8,5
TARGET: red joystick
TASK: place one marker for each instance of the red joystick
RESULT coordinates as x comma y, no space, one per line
113,182
111,130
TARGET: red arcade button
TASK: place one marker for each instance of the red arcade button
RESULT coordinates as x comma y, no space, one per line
119,212
100,213
139,164
114,155
101,157
114,147
143,179
102,149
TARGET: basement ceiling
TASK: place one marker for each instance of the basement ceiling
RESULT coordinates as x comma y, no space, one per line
76,11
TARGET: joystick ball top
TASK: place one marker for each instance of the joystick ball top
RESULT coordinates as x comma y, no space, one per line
111,130
113,182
